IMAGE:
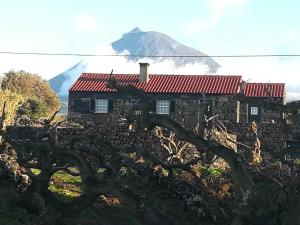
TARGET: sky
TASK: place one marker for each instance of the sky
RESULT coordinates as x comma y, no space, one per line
215,27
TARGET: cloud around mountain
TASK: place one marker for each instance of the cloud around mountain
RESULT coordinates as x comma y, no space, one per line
138,43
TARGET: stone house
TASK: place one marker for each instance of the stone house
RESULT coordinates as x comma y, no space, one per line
265,93
188,99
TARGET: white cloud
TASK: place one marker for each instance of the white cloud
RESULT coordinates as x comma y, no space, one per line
217,8
293,35
122,65
85,23
46,66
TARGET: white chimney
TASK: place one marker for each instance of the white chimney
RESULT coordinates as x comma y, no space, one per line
144,76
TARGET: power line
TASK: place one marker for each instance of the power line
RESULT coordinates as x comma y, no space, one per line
150,56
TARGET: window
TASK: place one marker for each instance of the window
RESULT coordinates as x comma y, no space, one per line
80,105
254,111
101,106
162,107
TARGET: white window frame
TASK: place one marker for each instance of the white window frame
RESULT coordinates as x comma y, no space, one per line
163,107
254,110
101,105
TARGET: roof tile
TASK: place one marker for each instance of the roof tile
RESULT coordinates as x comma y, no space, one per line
210,84
264,90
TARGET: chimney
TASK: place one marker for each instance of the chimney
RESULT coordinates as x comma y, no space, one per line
144,76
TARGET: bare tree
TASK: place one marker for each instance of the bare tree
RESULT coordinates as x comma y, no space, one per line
241,178
174,148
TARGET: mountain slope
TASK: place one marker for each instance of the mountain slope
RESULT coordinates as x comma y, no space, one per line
153,43
62,82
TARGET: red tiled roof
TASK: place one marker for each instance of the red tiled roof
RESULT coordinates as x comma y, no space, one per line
264,90
211,84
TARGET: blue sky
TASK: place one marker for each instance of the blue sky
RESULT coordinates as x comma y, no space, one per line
215,27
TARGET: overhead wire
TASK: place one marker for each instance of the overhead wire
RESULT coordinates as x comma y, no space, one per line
149,56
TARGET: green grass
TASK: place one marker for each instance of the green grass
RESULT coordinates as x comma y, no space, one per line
35,171
213,172
65,186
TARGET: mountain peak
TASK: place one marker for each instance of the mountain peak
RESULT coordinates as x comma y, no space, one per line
138,42
136,30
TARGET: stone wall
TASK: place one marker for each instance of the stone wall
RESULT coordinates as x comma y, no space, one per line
120,137
189,109
226,108
272,135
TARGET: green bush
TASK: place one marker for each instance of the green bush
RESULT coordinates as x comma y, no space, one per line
33,108
33,87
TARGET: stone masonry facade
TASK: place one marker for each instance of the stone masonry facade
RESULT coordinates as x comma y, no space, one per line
189,110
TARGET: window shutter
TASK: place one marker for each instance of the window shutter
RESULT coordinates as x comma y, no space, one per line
153,108
152,105
92,105
110,105
172,106
259,114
